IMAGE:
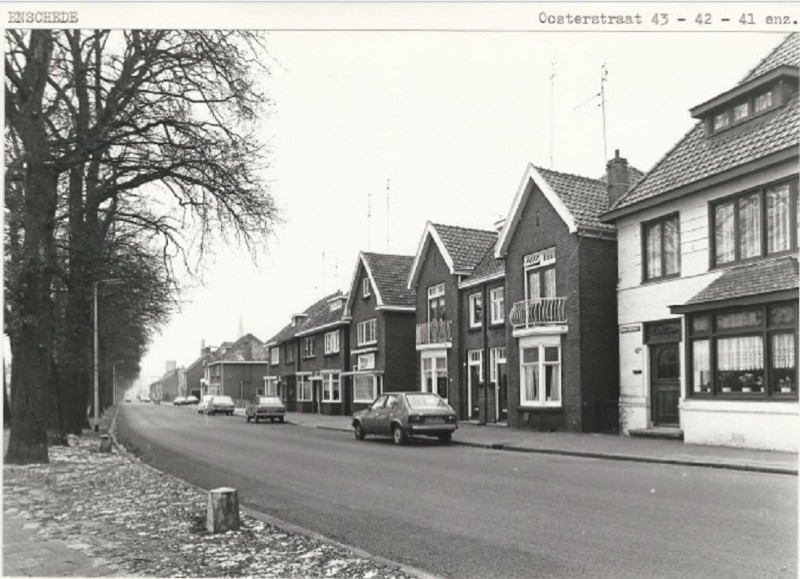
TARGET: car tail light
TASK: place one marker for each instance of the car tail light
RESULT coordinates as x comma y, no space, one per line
450,418
415,419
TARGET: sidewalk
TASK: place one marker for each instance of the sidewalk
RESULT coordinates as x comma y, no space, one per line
604,446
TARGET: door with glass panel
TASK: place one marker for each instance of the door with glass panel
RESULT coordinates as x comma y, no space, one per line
665,384
475,362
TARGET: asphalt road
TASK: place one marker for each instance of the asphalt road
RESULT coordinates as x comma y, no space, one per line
467,512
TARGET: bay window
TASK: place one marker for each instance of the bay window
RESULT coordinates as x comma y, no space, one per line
746,351
755,224
365,388
661,248
541,375
434,375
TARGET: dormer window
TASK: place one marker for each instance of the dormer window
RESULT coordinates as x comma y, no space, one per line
336,305
763,102
741,112
721,121
748,100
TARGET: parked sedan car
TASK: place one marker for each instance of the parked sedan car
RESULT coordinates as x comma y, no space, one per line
406,414
179,401
266,407
201,408
220,405
191,400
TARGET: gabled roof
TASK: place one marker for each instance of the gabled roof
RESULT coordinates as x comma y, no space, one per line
462,248
764,277
388,275
321,316
489,267
248,348
579,201
697,157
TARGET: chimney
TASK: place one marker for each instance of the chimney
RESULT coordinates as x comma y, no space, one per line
617,178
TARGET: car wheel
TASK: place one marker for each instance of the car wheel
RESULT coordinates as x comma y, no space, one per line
445,438
398,435
358,430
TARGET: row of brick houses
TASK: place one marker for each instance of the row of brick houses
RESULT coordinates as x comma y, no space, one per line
648,303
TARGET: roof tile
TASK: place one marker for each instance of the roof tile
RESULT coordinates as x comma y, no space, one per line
465,246
585,198
390,273
752,279
697,157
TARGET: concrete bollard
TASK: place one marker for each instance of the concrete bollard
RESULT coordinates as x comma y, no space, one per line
223,510
105,443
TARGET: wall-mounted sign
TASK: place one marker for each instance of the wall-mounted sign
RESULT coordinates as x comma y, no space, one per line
630,329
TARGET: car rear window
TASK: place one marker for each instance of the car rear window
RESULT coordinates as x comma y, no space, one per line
419,401
269,400
227,399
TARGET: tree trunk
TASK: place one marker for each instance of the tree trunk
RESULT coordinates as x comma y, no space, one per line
31,375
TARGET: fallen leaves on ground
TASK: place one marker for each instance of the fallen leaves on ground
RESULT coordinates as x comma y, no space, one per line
112,507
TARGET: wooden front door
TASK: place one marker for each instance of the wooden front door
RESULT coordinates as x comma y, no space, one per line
665,383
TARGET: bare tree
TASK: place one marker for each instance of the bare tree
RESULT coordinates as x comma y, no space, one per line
151,133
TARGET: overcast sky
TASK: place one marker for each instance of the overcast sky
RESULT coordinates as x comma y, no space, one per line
451,120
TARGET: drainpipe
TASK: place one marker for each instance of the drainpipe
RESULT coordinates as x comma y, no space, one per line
485,366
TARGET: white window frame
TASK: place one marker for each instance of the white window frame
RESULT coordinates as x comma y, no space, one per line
475,301
496,356
270,385
366,361
434,293
541,344
534,261
329,379
497,305
274,356
332,342
431,356
367,332
309,352
304,382
374,394
366,289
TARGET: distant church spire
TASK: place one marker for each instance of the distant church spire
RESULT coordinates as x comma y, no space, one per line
241,327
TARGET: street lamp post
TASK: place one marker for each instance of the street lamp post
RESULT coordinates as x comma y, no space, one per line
96,370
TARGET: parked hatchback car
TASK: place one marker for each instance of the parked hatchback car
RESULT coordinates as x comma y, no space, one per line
406,414
266,407
220,405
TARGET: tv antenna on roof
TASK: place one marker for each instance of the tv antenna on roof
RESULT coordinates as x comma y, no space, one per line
387,215
603,80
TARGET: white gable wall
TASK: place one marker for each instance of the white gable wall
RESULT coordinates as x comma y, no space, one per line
703,421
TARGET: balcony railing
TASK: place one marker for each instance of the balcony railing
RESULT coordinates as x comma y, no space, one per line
434,332
538,312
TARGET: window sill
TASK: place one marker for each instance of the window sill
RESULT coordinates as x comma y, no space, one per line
655,280
309,357
497,324
329,354
372,343
331,401
745,396
776,255
542,407
474,329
